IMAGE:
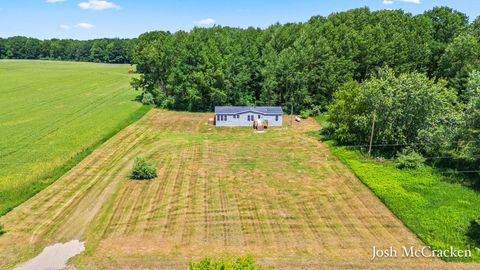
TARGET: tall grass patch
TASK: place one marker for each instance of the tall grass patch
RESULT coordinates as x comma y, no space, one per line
439,212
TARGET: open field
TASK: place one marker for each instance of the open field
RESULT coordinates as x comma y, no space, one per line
280,196
52,114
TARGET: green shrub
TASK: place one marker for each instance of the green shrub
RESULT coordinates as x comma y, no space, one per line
148,99
142,170
305,114
409,159
474,232
316,110
2,231
241,263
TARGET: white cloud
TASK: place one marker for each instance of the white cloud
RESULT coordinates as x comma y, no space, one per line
98,5
85,26
64,27
204,22
389,2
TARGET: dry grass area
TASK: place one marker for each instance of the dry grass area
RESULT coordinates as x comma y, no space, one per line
280,196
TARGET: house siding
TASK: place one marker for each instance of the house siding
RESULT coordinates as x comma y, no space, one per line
243,119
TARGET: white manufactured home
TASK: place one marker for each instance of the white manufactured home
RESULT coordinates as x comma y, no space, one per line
228,116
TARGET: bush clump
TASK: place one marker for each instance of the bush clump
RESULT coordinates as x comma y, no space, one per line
409,159
244,263
142,170
147,99
474,232
305,114
316,110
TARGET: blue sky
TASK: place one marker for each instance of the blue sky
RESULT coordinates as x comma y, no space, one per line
86,19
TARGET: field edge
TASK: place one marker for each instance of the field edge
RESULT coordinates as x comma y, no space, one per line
335,151
51,177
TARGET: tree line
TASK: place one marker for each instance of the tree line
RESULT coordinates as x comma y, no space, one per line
413,75
411,116
302,63
104,50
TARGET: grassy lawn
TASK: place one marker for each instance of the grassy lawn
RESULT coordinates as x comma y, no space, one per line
281,197
438,211
52,115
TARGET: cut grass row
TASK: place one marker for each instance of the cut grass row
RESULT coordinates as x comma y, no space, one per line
232,192
438,211
54,114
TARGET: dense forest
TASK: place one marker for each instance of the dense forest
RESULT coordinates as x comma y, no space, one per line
303,63
100,50
413,76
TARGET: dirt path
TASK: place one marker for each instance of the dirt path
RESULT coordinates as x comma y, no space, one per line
280,196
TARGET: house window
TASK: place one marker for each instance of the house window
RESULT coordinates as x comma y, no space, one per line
259,116
225,118
218,117
276,118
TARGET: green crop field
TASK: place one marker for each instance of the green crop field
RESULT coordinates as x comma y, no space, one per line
52,114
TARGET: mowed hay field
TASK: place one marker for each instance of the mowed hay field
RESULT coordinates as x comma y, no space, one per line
51,115
279,196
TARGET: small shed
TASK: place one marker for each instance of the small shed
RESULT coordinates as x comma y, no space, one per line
211,121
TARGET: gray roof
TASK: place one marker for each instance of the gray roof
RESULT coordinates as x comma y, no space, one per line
243,109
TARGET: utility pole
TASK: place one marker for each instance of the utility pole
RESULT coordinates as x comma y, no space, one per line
291,115
371,135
